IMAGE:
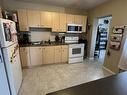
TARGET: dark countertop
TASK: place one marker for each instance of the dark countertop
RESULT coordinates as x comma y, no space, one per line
33,45
114,85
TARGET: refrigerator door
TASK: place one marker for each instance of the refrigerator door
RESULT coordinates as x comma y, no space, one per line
13,65
4,86
8,33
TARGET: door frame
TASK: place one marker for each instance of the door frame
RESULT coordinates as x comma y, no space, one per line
94,35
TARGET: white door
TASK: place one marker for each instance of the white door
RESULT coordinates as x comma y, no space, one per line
4,87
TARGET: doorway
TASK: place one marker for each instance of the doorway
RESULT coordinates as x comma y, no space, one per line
103,28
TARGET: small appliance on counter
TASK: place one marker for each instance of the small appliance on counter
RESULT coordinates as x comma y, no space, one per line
76,50
59,39
24,38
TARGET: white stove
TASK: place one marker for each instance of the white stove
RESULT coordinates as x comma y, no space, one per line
76,51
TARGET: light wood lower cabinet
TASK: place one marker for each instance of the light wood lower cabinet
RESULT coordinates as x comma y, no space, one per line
36,56
25,56
65,53
48,54
61,54
58,54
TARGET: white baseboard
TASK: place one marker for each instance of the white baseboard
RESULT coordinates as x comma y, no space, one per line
109,70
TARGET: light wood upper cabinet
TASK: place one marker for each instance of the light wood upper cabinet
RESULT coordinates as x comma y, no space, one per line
57,54
56,22
23,22
36,56
0,13
78,19
63,22
34,18
46,19
70,19
48,55
64,55
84,23
25,56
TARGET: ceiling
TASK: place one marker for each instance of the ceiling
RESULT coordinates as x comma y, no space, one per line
79,4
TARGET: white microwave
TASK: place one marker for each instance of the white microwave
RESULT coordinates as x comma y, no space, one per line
74,28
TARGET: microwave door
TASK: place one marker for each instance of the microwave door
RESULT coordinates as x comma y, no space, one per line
72,29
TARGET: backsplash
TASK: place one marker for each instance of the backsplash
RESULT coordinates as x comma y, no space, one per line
39,36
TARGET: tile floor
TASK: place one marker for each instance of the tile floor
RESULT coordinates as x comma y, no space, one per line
50,78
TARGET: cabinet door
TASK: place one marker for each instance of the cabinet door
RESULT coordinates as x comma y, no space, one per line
63,22
22,16
65,56
48,55
0,13
78,19
34,18
56,22
25,56
46,19
84,23
36,56
70,19
57,54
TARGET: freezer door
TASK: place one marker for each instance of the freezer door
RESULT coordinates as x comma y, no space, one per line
8,33
4,86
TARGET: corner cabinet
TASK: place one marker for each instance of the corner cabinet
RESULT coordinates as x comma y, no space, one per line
23,21
84,19
36,56
25,56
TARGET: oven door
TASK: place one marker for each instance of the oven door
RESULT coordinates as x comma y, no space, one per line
76,50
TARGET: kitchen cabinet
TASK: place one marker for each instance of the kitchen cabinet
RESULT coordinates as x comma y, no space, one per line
48,54
22,17
78,19
63,22
56,22
70,19
58,54
46,19
65,53
61,54
0,12
25,56
34,18
84,23
36,56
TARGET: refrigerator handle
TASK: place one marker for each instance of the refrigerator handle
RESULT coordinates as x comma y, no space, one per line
1,58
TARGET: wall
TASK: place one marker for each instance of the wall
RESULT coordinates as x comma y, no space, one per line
116,8
13,4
